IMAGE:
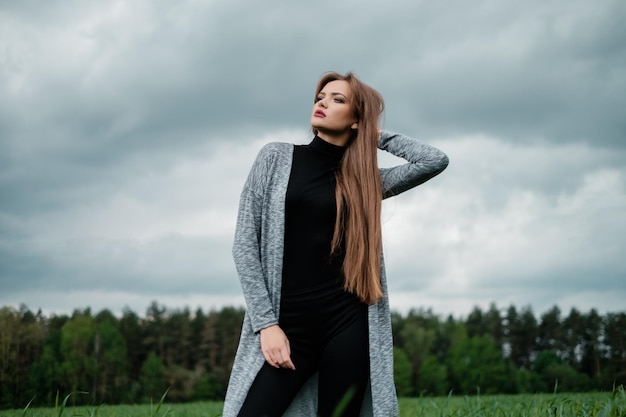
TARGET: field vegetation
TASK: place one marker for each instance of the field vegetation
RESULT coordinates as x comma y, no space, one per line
611,404
131,359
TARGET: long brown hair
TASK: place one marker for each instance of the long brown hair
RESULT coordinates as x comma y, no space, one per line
359,193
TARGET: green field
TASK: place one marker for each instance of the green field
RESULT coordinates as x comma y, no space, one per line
548,405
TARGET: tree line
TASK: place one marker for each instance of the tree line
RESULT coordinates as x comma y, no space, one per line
132,359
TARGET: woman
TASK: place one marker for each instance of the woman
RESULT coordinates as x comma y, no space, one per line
316,337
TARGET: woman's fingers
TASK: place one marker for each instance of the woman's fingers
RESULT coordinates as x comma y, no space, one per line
269,359
287,363
284,356
275,348
280,358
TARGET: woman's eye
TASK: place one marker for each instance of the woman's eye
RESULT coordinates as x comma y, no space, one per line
339,100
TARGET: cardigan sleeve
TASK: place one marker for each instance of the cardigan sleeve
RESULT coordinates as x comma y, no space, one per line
247,249
424,162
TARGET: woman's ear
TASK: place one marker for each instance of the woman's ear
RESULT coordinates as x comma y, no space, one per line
354,126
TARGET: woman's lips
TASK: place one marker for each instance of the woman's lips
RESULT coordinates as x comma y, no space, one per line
319,113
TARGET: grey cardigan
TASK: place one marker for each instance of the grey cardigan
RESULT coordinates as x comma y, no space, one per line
258,255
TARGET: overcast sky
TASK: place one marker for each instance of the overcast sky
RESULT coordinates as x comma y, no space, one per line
127,130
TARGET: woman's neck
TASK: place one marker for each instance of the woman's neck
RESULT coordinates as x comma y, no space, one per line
335,139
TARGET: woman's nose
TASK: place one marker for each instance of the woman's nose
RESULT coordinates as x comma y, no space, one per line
322,103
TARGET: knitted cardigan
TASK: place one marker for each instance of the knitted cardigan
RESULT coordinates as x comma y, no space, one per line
258,255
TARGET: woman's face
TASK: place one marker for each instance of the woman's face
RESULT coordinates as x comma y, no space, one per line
333,111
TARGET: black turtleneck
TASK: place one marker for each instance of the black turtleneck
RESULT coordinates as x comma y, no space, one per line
310,213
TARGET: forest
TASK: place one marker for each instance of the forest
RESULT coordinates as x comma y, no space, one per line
128,358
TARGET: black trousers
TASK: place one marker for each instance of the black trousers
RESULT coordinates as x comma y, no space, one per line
328,333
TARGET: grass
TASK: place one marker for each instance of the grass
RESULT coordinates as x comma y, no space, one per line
526,405
540,405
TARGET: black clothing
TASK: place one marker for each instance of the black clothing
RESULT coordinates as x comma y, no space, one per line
326,337
326,326
310,212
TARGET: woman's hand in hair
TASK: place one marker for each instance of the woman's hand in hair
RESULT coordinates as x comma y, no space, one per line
275,347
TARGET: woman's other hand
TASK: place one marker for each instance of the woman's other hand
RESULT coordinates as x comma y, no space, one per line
275,347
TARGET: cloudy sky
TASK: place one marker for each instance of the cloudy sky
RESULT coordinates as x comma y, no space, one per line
127,130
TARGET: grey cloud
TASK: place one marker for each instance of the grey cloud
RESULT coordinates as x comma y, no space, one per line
565,238
505,70
515,74
97,95
168,265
